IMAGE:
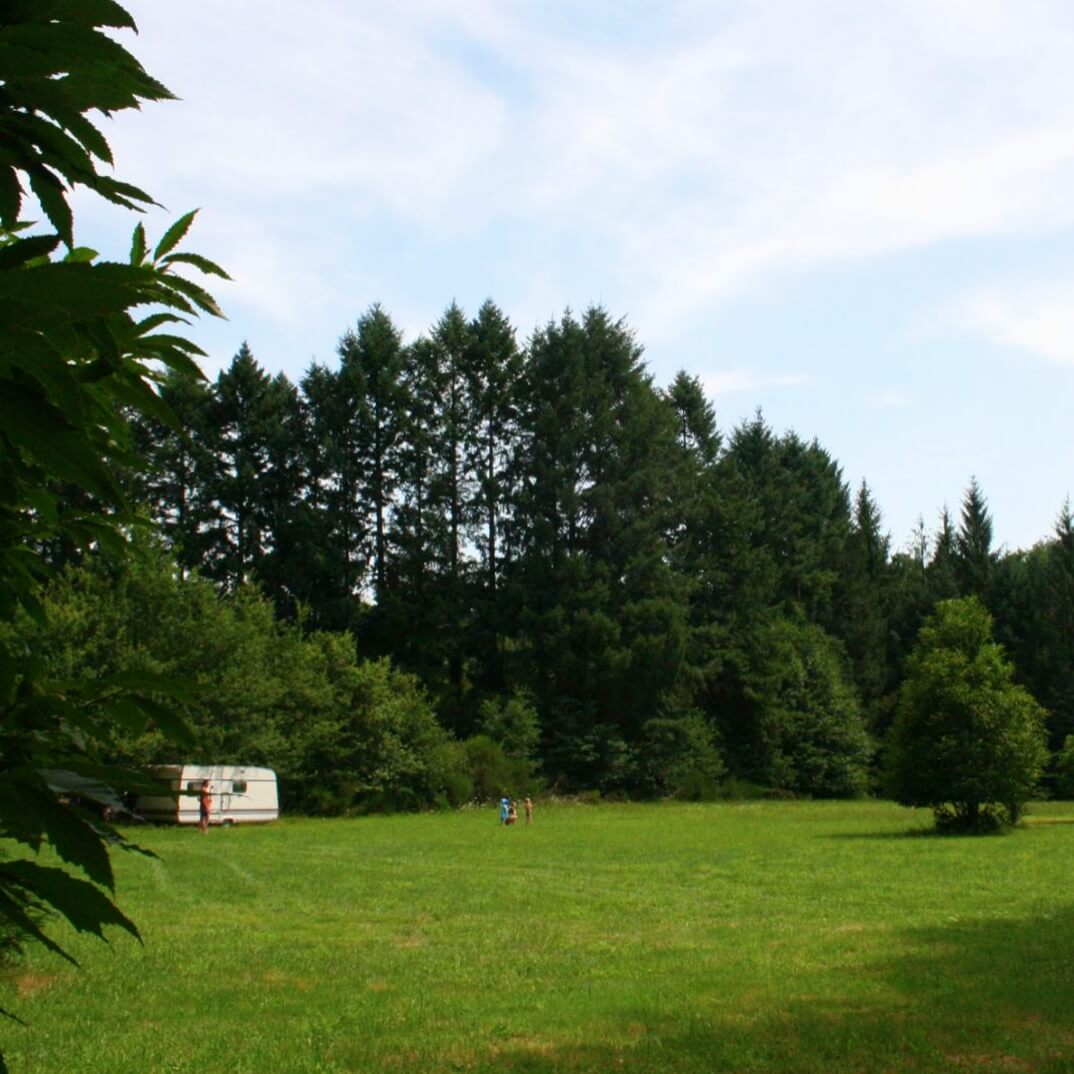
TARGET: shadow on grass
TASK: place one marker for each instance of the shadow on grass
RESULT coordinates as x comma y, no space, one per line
916,833
991,997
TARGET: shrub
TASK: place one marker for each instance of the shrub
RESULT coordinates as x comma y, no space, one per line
966,740
678,756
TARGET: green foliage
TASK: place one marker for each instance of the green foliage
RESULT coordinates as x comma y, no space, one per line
1063,778
343,735
679,756
493,773
78,353
810,734
967,741
512,722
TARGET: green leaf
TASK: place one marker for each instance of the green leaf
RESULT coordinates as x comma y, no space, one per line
98,289
94,13
10,196
23,250
170,722
155,320
210,268
52,195
12,908
122,193
162,340
181,363
198,295
136,393
48,437
55,148
71,837
81,255
174,235
84,906
138,245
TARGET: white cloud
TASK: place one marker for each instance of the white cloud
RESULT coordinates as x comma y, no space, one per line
684,157
731,381
1037,320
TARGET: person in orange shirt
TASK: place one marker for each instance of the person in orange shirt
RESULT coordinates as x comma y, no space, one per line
205,801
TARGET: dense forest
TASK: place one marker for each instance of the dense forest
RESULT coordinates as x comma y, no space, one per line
435,569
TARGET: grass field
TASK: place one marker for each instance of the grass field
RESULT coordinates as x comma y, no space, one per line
791,937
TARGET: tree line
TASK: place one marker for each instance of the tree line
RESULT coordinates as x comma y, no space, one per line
542,525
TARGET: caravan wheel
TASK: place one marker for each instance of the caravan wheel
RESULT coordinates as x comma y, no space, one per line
227,822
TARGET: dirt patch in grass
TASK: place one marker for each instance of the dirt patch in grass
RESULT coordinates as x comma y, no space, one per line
1006,1064
29,984
278,977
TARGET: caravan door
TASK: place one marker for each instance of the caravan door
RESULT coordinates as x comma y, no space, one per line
223,801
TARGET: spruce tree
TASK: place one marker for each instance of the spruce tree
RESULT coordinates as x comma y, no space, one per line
975,560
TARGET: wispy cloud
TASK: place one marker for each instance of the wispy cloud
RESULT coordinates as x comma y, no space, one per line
683,158
731,381
1037,320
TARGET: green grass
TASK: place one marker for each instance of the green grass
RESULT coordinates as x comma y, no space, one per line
792,937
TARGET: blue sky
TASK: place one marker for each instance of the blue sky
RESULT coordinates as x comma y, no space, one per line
858,217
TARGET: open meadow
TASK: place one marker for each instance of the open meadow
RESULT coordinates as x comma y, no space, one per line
791,937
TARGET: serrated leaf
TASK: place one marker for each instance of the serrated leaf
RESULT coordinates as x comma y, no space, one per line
182,364
55,147
13,911
210,268
81,255
138,245
98,289
122,193
162,340
44,433
174,235
168,720
10,197
138,394
198,295
94,13
20,61
155,320
23,250
52,195
84,906
71,837
127,712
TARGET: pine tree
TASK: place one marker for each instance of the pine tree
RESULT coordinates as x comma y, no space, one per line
605,619
698,434
338,542
975,560
236,440
865,602
493,367
371,358
174,486
942,569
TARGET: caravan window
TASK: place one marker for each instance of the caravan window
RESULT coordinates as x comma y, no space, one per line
194,786
239,786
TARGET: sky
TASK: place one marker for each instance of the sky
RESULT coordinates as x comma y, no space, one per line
858,218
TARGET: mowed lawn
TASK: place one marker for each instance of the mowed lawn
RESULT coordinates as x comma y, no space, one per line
792,937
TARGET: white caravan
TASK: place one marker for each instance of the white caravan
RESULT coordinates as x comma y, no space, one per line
240,794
